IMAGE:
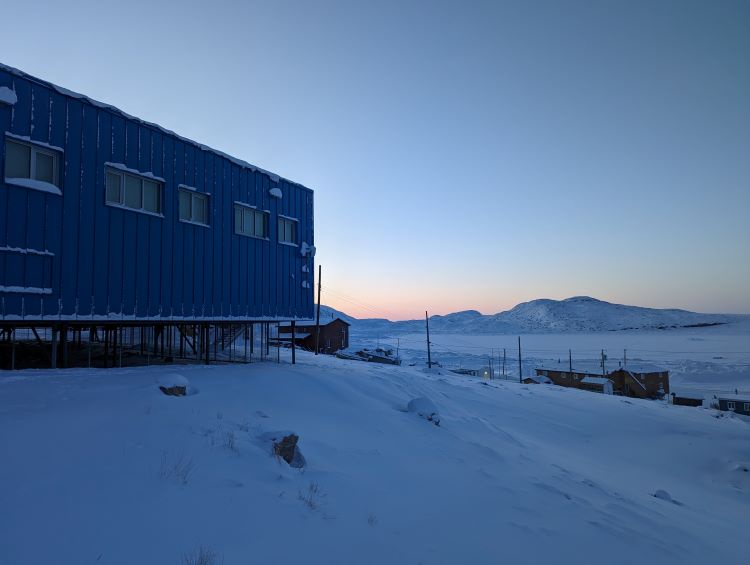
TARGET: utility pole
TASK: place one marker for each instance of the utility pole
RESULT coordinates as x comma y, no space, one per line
520,370
429,355
317,321
570,360
503,362
398,346
604,372
624,358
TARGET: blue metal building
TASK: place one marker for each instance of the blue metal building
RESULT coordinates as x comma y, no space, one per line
106,218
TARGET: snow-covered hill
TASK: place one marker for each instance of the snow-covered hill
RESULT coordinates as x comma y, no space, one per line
576,314
98,466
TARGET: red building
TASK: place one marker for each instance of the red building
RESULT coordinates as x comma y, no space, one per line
334,336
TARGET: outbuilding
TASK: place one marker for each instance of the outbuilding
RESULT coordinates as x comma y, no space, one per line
334,336
736,405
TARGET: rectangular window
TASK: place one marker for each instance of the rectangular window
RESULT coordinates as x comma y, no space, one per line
730,405
132,191
193,206
287,230
250,222
28,161
747,407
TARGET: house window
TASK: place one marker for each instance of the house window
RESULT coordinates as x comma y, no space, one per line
730,405
746,407
133,191
193,206
287,230
250,222
28,161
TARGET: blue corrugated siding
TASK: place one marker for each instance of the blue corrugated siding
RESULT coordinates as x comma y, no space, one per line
107,261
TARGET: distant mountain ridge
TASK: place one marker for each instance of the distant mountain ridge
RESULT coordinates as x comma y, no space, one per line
575,314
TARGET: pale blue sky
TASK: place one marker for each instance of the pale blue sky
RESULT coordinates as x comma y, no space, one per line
463,154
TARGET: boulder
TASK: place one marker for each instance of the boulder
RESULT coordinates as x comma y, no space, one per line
174,384
283,445
424,408
286,447
173,390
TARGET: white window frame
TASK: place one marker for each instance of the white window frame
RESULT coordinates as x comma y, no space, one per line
746,407
193,192
731,405
245,209
141,178
34,149
287,219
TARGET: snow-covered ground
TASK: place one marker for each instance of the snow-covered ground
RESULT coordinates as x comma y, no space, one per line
99,466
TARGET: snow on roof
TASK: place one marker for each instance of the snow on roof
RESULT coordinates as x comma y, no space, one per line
594,366
693,395
595,380
12,99
539,379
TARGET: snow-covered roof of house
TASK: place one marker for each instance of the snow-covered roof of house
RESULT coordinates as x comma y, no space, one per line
594,366
65,92
539,379
595,380
693,395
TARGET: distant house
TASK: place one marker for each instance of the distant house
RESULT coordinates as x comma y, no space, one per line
636,380
736,405
334,336
687,400
597,384
536,380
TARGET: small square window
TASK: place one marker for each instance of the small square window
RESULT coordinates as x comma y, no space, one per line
194,207
17,160
250,222
730,405
287,230
132,191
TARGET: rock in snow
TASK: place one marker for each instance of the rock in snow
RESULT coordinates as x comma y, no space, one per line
174,384
286,448
174,390
424,408
284,445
